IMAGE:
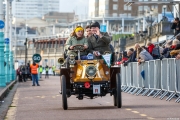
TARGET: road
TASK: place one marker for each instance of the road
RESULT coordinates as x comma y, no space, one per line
44,103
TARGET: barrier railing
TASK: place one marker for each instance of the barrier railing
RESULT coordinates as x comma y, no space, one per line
156,77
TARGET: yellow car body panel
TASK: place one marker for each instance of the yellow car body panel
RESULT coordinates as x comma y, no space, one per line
80,75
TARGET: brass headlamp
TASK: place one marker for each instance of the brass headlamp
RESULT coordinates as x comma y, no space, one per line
61,61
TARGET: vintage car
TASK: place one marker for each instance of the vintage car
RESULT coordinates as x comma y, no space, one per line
89,78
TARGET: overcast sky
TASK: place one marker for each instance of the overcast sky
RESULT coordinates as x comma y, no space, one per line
80,6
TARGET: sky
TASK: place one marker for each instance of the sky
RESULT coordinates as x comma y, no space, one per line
80,6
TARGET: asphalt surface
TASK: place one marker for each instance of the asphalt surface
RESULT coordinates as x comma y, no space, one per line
44,103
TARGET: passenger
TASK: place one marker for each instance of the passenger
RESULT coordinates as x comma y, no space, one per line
99,41
77,38
143,55
88,31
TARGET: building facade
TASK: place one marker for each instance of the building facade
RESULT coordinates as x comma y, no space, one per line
59,17
33,8
118,8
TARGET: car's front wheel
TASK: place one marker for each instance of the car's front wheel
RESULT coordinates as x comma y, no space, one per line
64,95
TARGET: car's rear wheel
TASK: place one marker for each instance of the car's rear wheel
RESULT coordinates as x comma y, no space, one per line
64,95
118,91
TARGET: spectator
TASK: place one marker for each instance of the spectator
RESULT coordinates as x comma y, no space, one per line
143,55
156,52
124,58
120,57
174,44
174,52
130,56
178,37
166,51
144,47
134,55
150,47
23,71
178,56
176,26
18,73
28,71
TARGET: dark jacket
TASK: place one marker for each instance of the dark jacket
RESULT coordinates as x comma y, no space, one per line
133,56
23,70
99,44
174,26
166,53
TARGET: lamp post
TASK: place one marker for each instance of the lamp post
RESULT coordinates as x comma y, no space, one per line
6,49
11,55
150,32
2,76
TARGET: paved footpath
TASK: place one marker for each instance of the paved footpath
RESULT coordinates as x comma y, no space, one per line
44,103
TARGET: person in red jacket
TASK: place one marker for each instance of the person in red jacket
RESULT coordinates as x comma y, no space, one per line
124,58
150,47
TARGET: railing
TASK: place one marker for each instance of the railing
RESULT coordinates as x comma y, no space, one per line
157,77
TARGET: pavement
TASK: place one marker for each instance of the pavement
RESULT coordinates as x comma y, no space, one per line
45,103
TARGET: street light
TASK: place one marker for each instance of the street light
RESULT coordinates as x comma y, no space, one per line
136,27
151,13
164,7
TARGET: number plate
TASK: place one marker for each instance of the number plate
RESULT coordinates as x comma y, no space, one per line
96,89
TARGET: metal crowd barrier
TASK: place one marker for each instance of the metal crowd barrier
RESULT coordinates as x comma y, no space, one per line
161,78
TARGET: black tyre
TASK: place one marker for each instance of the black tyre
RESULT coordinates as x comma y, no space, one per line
118,91
64,96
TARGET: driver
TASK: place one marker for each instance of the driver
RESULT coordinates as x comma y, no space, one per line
98,42
77,38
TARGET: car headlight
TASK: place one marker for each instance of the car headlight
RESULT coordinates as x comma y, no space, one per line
91,71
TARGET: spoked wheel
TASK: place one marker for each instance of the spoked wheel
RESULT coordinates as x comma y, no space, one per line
118,91
64,96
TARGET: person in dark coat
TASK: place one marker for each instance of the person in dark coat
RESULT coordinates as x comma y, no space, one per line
134,55
99,41
23,71
176,26
130,57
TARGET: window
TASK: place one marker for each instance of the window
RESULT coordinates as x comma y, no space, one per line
140,8
114,14
127,7
115,7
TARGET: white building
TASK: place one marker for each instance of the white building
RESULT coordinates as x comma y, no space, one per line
33,8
